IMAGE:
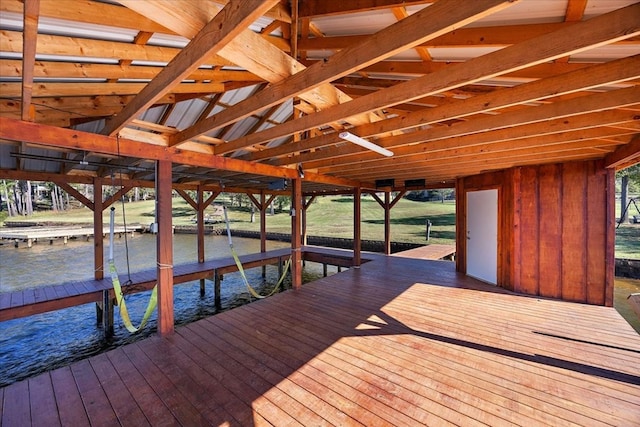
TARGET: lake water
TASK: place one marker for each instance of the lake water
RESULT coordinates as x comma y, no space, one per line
46,341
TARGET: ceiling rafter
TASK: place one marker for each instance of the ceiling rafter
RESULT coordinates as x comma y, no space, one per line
620,24
309,8
397,37
252,52
506,91
220,31
559,111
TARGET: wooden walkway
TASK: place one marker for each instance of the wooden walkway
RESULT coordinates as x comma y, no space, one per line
55,297
32,301
32,235
399,341
429,252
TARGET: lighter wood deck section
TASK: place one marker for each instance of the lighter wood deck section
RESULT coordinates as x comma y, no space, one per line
396,342
434,251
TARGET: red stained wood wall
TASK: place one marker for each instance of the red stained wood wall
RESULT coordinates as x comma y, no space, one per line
556,229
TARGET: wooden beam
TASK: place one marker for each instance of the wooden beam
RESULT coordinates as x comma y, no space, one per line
98,229
118,195
102,89
469,149
421,26
11,41
30,19
164,248
15,130
529,133
310,8
76,194
13,68
248,50
557,111
357,227
493,36
296,229
200,207
625,156
598,75
224,27
187,198
604,29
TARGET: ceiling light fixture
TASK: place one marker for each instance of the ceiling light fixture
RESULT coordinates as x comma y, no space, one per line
347,136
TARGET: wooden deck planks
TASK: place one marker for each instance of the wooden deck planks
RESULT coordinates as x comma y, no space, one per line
45,411
123,403
432,251
71,409
154,409
54,297
395,342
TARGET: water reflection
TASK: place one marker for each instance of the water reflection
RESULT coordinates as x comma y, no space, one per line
50,340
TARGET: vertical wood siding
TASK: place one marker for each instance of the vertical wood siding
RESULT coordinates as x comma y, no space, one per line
556,229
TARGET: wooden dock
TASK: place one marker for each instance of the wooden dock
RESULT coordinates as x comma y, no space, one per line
399,341
32,235
32,301
434,252
55,297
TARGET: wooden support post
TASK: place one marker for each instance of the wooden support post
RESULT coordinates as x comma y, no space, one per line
304,223
164,244
357,227
387,223
305,206
217,278
107,314
610,237
296,228
324,270
200,226
98,229
99,313
263,228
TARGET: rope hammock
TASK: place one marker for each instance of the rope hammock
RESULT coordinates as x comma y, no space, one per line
251,290
117,288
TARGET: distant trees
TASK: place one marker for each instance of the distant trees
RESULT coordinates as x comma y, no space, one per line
629,182
17,197
440,194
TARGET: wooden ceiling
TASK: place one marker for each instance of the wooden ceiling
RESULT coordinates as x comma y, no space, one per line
238,92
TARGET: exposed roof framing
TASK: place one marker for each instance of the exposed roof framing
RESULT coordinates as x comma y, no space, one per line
219,87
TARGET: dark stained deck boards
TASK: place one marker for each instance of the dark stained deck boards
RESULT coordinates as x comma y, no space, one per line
397,341
54,297
67,396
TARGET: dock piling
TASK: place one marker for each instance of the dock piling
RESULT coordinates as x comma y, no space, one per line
107,314
216,289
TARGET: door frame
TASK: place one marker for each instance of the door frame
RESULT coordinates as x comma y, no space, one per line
489,206
462,187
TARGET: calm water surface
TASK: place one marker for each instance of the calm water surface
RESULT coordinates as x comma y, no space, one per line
42,342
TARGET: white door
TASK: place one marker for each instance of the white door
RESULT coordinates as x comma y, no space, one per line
482,235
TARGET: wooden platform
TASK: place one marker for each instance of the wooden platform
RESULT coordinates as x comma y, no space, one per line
434,252
396,342
32,301
54,297
31,235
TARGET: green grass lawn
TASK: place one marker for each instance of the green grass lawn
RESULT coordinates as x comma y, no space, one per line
330,216
333,217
